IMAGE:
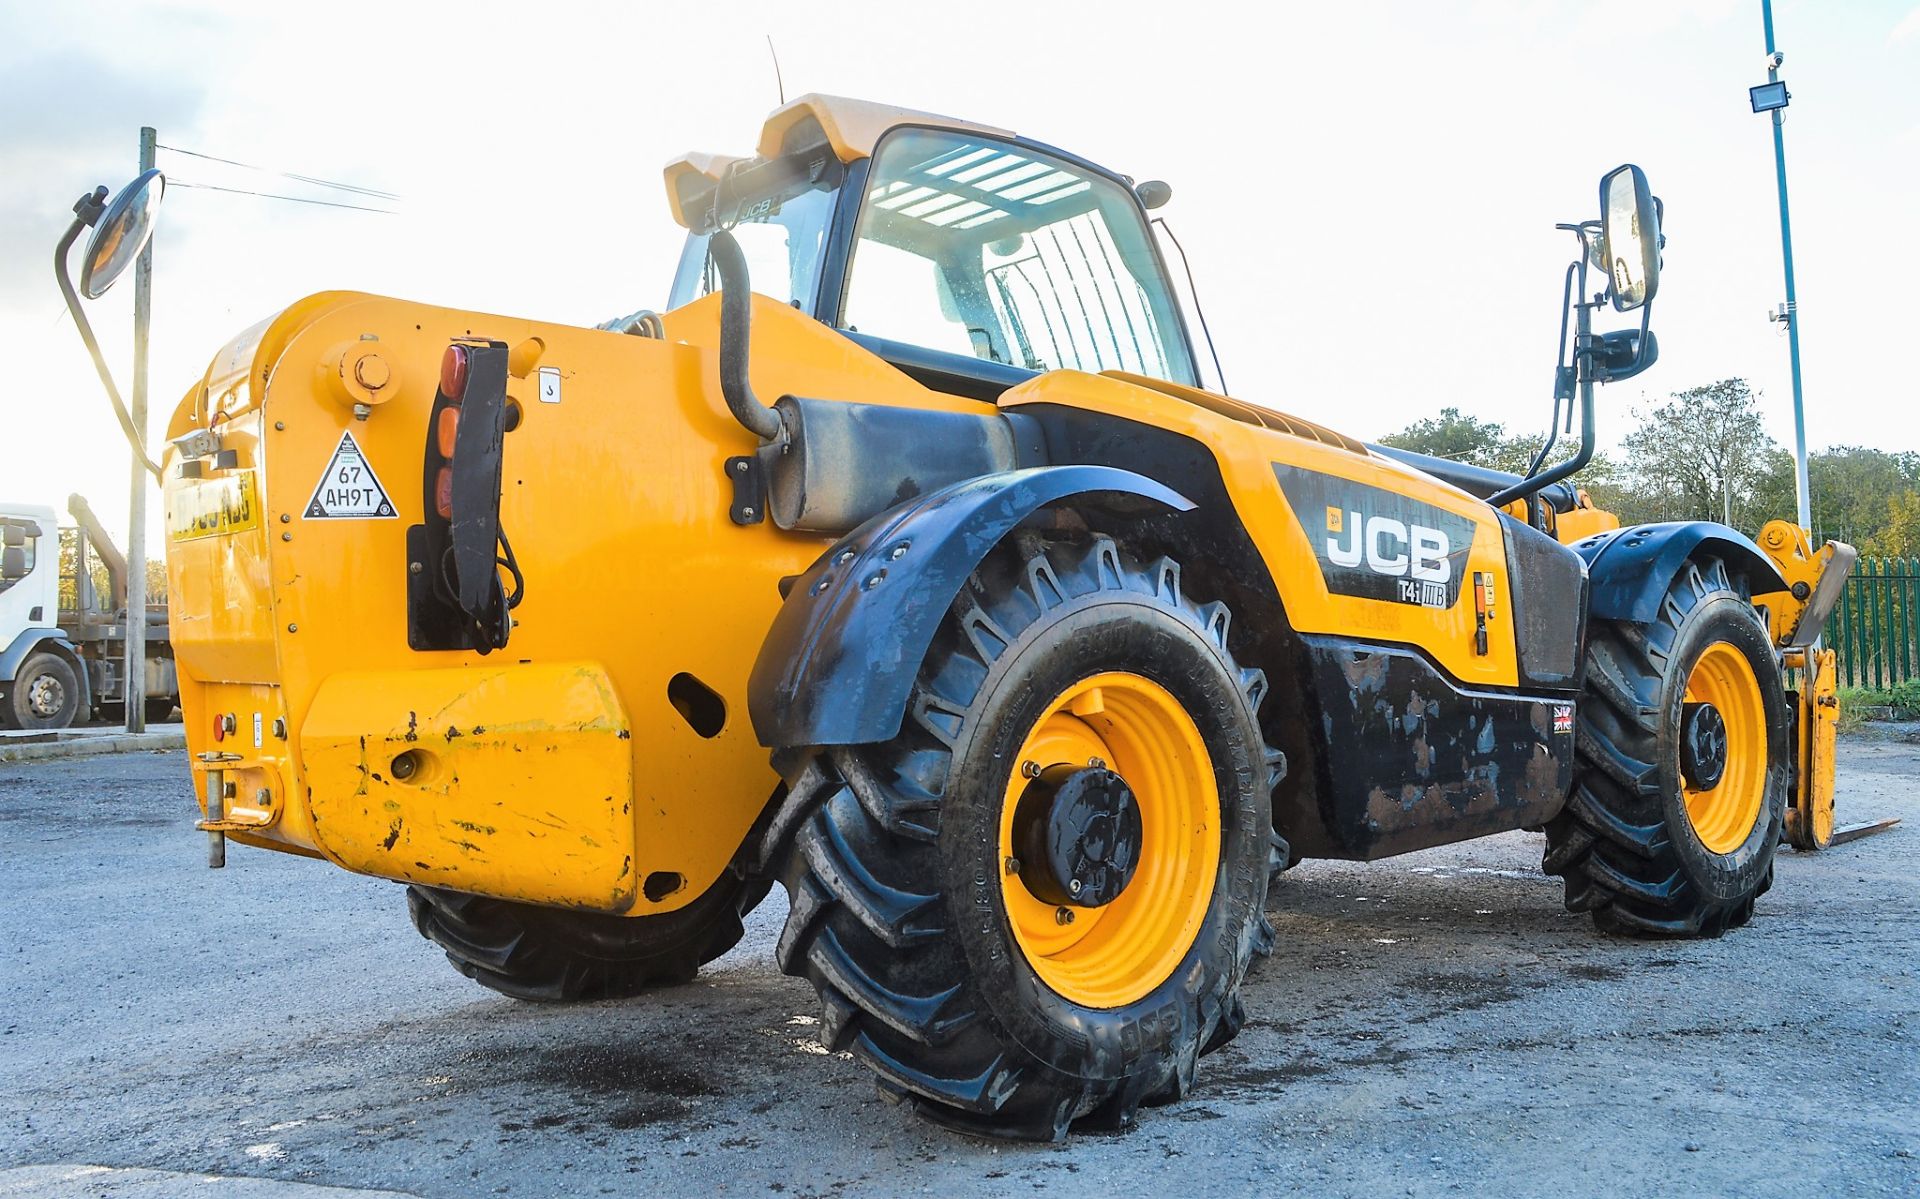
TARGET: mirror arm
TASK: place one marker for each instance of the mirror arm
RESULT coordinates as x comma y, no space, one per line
86,212
1583,368
1559,369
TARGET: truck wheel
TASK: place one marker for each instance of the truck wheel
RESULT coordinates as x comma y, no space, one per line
1036,903
45,694
159,710
552,955
1682,766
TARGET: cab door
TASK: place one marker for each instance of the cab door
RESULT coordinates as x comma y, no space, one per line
29,574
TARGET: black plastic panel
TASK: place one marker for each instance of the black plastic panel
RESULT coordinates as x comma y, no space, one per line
1412,761
1549,604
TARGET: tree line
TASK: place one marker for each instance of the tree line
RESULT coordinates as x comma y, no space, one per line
1703,454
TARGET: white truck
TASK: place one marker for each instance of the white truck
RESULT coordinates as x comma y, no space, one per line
62,642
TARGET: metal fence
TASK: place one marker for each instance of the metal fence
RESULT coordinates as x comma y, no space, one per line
1873,629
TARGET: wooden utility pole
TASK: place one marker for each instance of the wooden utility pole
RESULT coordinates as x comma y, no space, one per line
135,689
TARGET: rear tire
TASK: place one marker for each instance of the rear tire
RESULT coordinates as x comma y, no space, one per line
552,955
1629,850
905,914
44,694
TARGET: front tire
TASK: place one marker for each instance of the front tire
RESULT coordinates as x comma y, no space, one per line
44,694
1682,766
945,956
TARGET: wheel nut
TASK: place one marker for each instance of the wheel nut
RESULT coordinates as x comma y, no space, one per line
1063,915
1030,769
1012,864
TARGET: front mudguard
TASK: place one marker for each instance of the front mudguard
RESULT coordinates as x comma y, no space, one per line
1630,569
838,665
53,641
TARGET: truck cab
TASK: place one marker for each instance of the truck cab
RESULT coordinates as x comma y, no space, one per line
63,623
29,612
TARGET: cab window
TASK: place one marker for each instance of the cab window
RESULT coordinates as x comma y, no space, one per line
779,213
1007,254
21,547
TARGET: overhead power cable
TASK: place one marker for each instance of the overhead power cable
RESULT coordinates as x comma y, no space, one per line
307,179
241,191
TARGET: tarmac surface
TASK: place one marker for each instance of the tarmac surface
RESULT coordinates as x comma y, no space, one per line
1430,1025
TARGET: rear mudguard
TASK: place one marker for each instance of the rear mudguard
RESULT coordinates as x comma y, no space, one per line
1630,569
838,665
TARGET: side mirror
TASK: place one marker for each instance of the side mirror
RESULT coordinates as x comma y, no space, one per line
123,232
1154,193
1623,353
1629,237
13,564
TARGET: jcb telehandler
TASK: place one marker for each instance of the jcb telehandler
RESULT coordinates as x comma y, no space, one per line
1020,660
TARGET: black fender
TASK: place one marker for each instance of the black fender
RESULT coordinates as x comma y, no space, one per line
1630,569
838,665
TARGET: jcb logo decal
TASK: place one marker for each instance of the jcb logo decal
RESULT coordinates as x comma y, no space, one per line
1379,544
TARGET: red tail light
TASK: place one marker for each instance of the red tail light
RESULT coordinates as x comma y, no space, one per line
443,493
453,373
446,430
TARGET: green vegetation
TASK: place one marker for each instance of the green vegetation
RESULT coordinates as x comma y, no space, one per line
1703,454
1861,704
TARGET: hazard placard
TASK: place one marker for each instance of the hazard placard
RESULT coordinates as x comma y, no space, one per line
349,490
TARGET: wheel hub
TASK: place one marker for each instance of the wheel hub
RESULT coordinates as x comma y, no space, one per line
1703,746
45,696
1078,835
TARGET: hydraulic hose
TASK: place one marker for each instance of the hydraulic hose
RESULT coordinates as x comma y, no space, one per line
736,314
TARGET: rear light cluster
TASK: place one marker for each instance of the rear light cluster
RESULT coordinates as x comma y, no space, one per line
457,597
446,429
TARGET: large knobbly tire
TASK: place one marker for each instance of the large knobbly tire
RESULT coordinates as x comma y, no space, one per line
893,859
1626,845
553,955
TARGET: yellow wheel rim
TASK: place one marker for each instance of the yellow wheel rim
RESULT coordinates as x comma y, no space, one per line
1110,956
1724,814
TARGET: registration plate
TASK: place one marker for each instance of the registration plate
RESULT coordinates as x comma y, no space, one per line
227,503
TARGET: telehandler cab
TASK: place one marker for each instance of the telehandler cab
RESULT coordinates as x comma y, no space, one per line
1058,656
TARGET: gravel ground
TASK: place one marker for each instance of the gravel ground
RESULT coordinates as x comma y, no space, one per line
1431,1025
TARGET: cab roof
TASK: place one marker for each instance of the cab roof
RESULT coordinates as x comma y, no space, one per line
851,128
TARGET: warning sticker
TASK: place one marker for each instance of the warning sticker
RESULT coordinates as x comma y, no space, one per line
349,490
1563,718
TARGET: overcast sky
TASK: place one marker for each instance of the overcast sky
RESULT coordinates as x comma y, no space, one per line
1367,191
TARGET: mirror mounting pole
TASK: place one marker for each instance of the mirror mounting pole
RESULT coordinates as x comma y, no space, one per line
1583,346
86,211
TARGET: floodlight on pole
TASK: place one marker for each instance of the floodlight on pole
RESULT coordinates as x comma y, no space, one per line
1765,97
1771,97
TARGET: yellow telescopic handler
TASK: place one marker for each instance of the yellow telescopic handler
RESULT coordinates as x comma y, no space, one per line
903,561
